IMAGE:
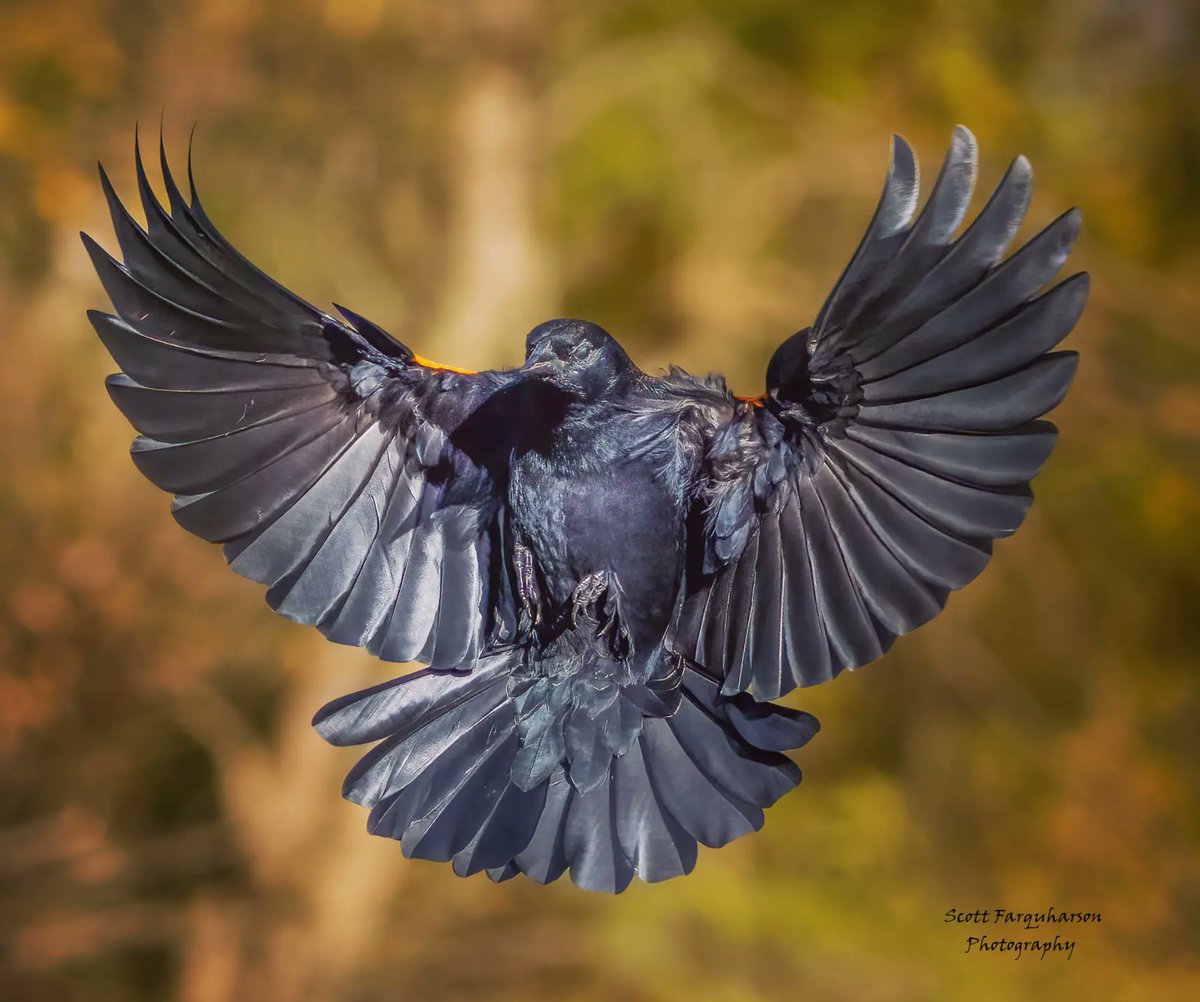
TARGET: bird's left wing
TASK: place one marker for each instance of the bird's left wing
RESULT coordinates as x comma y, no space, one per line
895,441
323,455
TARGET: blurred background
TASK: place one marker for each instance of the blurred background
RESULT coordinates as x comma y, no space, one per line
692,175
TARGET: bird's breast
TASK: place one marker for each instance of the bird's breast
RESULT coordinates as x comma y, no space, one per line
581,514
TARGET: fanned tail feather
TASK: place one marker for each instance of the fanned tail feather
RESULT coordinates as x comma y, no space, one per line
440,780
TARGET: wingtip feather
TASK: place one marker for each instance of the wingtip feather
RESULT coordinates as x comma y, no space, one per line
901,187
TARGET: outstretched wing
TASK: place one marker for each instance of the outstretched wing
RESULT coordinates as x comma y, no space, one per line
319,453
896,439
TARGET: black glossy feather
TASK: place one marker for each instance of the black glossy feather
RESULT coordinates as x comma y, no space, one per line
162,364
808,651
897,600
544,857
909,414
606,572
650,838
505,832
1009,457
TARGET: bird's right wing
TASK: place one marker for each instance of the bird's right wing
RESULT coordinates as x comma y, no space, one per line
895,441
325,456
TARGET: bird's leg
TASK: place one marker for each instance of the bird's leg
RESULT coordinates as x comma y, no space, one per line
587,592
596,597
530,614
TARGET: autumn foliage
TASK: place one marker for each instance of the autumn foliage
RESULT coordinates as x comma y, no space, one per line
692,176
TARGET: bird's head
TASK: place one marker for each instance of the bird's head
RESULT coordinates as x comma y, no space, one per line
578,357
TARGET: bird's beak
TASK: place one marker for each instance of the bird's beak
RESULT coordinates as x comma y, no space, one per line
542,364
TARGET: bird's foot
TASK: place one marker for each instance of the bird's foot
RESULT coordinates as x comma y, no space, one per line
529,616
595,599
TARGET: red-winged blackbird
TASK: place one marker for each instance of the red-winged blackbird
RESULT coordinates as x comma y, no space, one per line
607,572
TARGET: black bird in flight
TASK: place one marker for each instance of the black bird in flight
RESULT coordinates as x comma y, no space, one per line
609,574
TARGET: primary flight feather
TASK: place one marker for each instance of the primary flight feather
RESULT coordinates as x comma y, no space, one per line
608,573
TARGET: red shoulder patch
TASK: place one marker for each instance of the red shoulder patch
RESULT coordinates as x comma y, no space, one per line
430,364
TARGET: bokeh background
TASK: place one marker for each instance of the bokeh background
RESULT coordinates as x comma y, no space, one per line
692,175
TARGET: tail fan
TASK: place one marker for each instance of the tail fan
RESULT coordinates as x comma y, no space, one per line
440,779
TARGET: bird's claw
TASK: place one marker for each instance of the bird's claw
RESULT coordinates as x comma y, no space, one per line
595,598
529,617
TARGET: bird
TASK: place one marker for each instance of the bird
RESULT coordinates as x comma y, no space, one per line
609,576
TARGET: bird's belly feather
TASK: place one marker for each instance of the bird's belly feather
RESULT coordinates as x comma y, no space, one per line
617,518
